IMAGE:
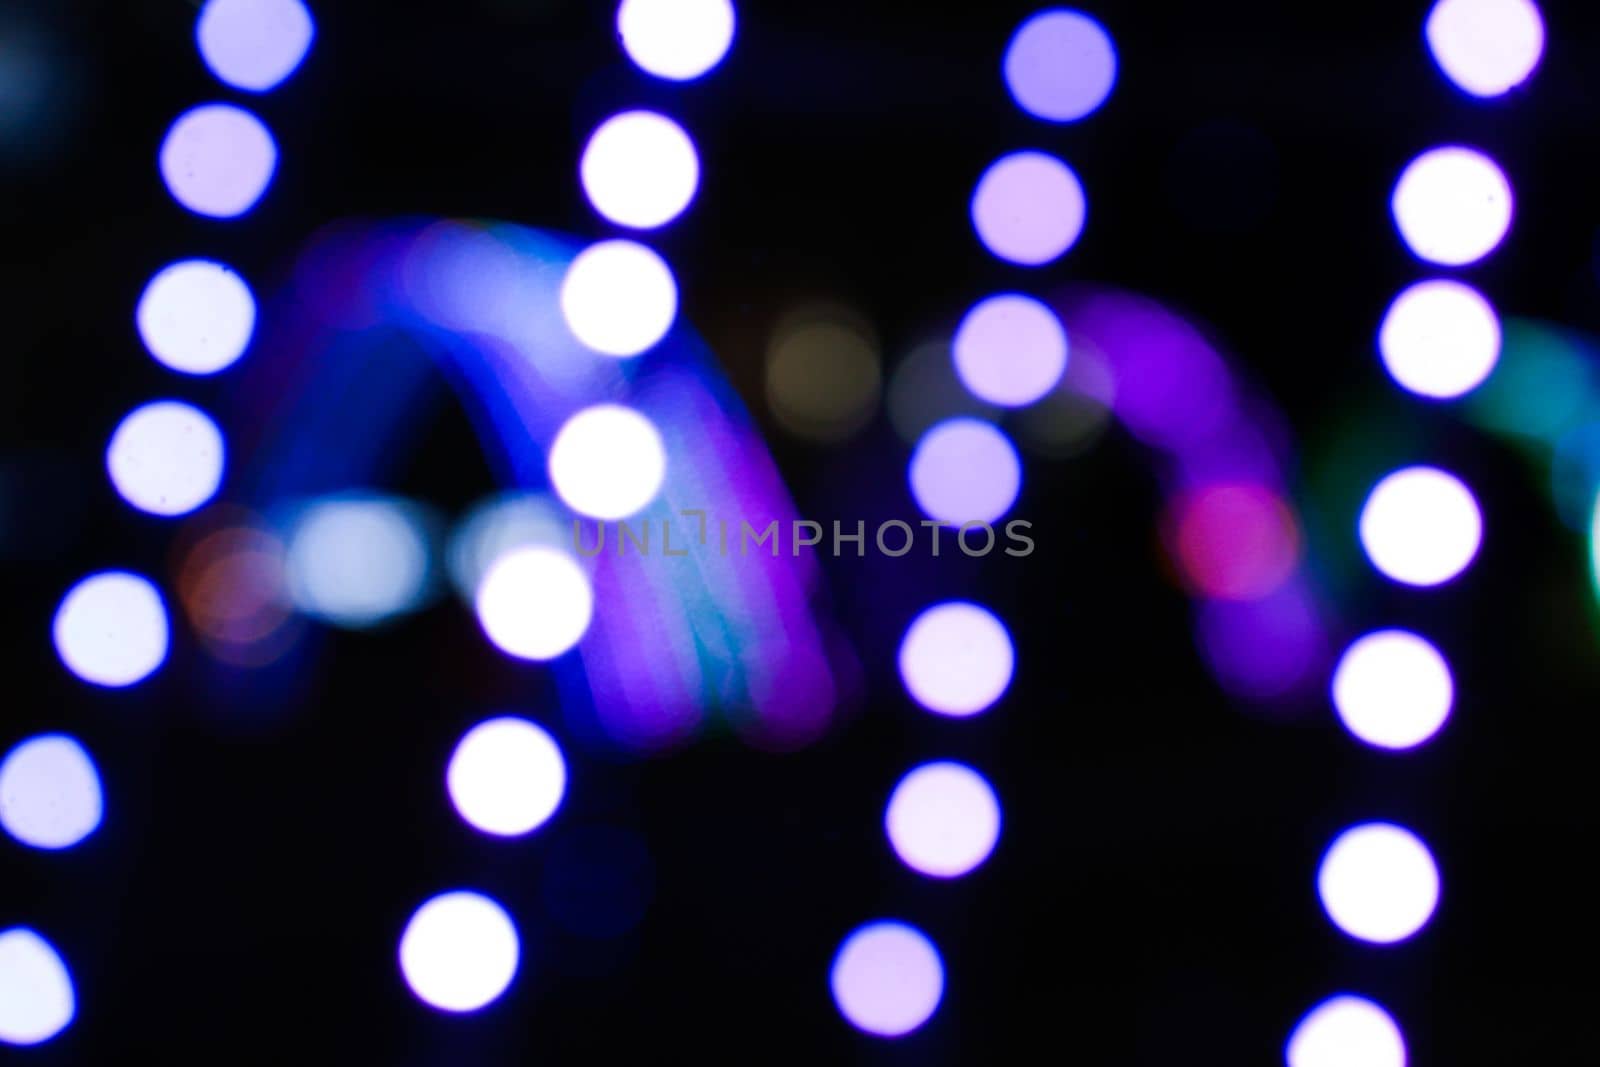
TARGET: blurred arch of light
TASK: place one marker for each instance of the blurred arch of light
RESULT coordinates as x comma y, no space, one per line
1224,461
37,1000
384,310
1234,542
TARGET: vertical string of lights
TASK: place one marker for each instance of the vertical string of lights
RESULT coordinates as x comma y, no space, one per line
165,458
1420,525
460,950
956,658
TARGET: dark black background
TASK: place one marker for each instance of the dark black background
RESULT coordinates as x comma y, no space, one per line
1152,898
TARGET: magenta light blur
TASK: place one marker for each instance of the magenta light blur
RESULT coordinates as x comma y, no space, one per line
887,979
1060,65
1010,350
217,160
1172,389
1028,208
1236,542
965,470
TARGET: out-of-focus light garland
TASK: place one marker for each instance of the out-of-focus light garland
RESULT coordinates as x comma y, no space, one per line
956,658
166,458
1420,526
618,298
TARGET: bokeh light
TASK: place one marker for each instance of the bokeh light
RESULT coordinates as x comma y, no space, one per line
232,581
1486,47
506,776
111,629
965,470
358,560
823,376
460,951
36,997
42,84
196,316
1421,526
498,525
1010,350
640,169
1440,339
254,44
1392,689
1060,65
676,39
535,603
166,458
50,793
924,390
887,979
1346,1031
943,819
608,461
619,298
1452,205
1235,542
1028,208
217,160
1378,883
956,659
